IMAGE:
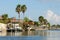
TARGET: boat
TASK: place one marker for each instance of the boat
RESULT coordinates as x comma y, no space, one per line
10,30
19,29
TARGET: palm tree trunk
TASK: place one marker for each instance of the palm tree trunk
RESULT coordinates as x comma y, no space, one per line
23,19
19,15
23,15
23,22
19,18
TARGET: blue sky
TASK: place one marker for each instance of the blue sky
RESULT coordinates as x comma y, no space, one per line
50,9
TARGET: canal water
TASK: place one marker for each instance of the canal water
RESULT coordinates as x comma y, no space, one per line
31,35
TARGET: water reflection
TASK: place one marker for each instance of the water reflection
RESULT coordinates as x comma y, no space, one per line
25,33
41,32
46,34
32,33
53,35
3,33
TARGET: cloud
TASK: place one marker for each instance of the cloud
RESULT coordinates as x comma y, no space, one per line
52,17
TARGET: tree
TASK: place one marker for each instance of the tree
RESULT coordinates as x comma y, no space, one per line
9,20
45,21
18,9
36,23
58,25
41,18
5,18
31,22
23,8
25,23
26,19
48,25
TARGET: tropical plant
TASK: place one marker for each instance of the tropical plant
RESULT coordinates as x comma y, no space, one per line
58,25
9,20
26,19
48,25
18,9
23,8
41,19
36,23
45,21
5,18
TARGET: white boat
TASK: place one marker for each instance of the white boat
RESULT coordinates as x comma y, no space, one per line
17,28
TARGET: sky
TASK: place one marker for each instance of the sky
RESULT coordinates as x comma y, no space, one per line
49,9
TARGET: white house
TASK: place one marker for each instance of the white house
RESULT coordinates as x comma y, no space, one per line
3,27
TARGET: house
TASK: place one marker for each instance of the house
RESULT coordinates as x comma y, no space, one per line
30,23
12,20
3,27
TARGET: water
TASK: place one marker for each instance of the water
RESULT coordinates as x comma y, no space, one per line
31,35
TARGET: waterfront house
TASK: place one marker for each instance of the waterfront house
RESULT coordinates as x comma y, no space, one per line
3,27
16,23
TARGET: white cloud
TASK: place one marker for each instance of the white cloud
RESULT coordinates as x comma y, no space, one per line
52,17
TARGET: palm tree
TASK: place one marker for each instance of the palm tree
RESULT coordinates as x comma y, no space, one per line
18,9
45,21
48,26
23,9
41,18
